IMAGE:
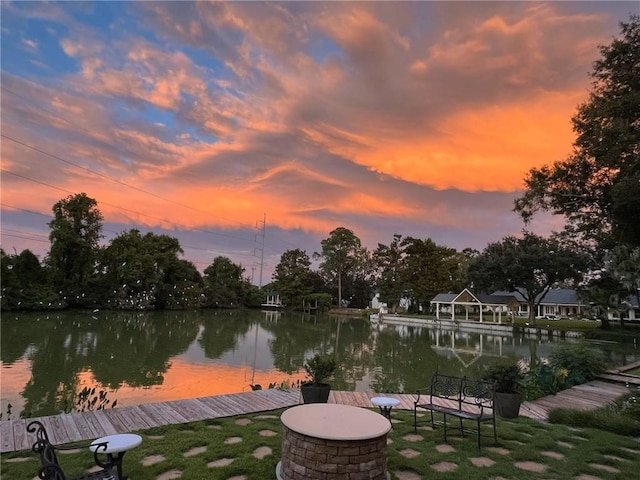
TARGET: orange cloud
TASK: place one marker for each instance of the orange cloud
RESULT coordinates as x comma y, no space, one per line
489,149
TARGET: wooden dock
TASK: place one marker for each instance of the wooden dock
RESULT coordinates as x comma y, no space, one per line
72,427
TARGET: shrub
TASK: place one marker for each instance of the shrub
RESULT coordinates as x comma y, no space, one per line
569,365
540,381
507,376
582,362
628,405
319,368
603,419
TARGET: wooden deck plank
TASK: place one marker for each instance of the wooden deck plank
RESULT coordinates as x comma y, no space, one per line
55,435
155,414
214,406
268,399
284,398
136,418
256,402
103,420
224,406
193,410
84,428
7,442
234,405
70,426
167,410
21,438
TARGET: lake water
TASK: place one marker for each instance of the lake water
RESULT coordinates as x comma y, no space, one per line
47,358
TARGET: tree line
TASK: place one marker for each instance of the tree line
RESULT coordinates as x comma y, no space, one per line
596,188
136,271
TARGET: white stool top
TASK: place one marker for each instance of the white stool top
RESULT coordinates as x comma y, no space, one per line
117,443
331,421
385,401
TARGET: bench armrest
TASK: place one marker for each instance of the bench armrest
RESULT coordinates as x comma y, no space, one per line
100,448
421,391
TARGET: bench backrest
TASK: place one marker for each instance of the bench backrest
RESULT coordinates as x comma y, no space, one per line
468,394
478,395
445,386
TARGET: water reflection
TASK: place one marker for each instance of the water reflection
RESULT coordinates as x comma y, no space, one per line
138,357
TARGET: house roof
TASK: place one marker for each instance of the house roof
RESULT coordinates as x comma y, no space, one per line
444,297
555,296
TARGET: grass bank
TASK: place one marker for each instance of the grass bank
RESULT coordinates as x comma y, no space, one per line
248,447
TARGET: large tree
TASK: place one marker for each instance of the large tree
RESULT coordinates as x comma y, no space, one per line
144,271
597,188
75,231
224,284
427,269
387,264
293,278
342,253
530,265
25,283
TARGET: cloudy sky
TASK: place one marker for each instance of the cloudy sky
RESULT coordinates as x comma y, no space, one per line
200,120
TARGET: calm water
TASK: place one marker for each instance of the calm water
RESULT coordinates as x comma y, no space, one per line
143,357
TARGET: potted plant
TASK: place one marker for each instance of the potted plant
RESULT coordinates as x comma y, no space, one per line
507,376
319,368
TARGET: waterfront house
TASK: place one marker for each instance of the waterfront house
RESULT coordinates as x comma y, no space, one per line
557,303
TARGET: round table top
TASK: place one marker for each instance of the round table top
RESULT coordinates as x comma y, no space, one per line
385,401
117,443
335,422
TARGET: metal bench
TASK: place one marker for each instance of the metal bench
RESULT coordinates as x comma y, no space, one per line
460,397
51,469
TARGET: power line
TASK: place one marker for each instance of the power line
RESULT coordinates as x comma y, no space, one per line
120,182
23,237
115,180
24,233
127,209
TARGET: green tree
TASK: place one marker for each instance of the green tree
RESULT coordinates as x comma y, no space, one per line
292,277
342,252
130,271
597,188
387,264
427,269
144,271
11,295
183,286
530,265
224,285
74,234
624,265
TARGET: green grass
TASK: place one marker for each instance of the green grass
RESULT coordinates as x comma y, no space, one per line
582,451
633,371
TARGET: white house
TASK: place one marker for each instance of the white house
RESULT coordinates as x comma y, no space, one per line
560,302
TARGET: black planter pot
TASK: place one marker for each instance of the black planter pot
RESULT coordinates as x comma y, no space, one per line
507,405
315,393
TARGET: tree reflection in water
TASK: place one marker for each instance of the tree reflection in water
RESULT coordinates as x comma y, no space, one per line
210,351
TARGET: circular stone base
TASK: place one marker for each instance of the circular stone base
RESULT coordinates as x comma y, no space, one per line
280,477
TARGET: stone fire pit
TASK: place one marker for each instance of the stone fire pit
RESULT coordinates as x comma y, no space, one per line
323,440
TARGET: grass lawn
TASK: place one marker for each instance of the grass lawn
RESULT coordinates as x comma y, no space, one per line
634,371
248,447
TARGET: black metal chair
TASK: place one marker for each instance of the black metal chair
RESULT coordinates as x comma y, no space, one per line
51,469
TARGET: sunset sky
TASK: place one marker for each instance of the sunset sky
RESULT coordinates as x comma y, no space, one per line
197,120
